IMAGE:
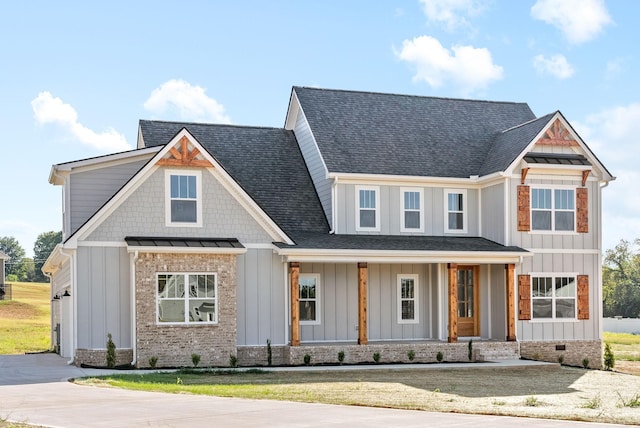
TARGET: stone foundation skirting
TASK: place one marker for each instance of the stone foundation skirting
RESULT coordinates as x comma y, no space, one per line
572,352
251,356
98,357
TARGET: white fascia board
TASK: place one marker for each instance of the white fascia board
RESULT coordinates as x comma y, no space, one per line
229,183
384,256
55,260
59,172
292,111
185,250
595,163
406,180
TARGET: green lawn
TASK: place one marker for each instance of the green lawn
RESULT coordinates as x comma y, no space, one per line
625,346
25,321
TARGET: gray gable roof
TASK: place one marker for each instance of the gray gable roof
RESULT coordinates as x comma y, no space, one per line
265,162
365,132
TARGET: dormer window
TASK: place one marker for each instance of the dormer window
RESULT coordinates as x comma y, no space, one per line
184,205
367,208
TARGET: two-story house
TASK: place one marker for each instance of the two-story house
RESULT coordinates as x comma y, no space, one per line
371,223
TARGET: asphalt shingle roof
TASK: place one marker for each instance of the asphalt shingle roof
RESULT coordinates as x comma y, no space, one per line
266,163
365,132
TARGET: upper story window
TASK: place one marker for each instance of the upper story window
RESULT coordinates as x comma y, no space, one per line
455,211
407,299
553,209
184,198
187,298
309,284
367,208
553,296
412,210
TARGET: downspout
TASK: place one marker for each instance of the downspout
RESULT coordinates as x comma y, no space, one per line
133,257
74,302
51,338
334,209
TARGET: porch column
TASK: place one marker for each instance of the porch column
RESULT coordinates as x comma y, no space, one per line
362,304
453,302
294,270
511,309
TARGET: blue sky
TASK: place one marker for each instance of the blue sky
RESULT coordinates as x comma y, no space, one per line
77,76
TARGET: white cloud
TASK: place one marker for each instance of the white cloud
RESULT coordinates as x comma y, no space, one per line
465,66
452,13
189,102
556,66
49,109
579,20
613,135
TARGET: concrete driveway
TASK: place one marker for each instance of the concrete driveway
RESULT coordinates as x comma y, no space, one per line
34,390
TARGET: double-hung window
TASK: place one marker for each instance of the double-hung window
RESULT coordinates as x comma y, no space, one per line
187,298
553,296
412,210
407,299
455,211
553,209
309,298
184,200
367,208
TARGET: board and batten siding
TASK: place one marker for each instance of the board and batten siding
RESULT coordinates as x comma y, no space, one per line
391,211
89,190
313,160
143,214
583,264
103,296
262,312
493,213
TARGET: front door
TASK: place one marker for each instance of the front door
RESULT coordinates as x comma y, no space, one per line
468,299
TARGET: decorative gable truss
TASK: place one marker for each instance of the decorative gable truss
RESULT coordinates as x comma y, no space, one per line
184,154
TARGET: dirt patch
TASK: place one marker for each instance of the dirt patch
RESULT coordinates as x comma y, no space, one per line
630,367
18,310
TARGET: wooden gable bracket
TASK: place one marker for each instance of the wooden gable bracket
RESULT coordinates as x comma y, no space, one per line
585,175
557,135
182,157
523,175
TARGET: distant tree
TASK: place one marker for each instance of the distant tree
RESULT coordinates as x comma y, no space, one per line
44,245
621,280
11,247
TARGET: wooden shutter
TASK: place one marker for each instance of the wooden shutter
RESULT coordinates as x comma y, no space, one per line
582,210
583,297
524,212
524,297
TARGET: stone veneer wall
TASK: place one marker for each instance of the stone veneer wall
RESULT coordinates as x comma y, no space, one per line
98,357
249,356
173,345
573,354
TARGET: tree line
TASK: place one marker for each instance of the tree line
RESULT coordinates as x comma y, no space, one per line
26,269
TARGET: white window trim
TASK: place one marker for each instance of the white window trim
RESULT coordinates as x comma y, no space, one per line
465,211
403,209
316,276
377,210
186,300
553,276
554,187
167,192
416,297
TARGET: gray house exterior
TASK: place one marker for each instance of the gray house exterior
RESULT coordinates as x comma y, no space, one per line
370,222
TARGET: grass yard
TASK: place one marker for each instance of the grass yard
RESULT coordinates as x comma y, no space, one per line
25,321
547,392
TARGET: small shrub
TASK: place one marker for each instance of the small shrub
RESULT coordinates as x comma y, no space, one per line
560,359
153,361
233,360
609,358
532,401
341,357
111,352
195,359
585,363
269,354
376,357
593,403
307,359
470,352
178,381
439,356
411,355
